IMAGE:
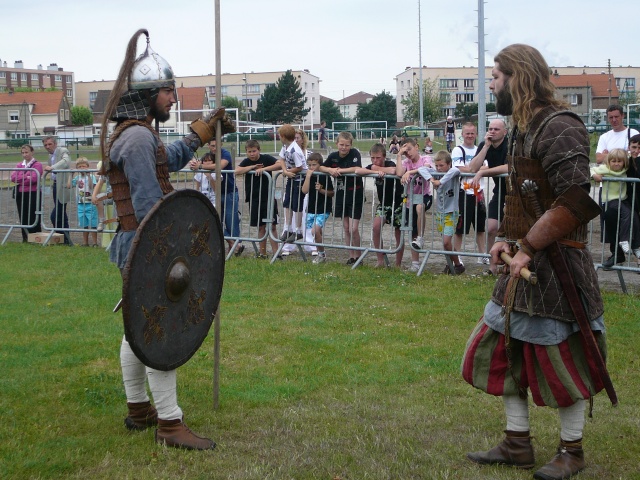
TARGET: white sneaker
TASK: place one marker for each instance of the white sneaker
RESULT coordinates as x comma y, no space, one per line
417,243
100,227
414,267
483,261
636,252
319,259
624,246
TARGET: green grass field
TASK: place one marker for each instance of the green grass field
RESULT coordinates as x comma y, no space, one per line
326,373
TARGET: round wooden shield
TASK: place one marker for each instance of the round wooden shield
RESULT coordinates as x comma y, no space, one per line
172,281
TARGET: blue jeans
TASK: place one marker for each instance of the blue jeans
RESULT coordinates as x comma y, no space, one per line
229,215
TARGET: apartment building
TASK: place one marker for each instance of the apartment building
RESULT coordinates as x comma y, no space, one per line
460,84
246,87
38,79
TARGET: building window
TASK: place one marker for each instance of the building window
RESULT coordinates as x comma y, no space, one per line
223,90
313,87
464,97
247,102
61,114
23,77
3,75
468,82
67,115
408,84
448,83
492,98
34,77
253,88
212,90
14,76
444,97
212,103
575,99
68,78
14,116
58,78
401,83
69,92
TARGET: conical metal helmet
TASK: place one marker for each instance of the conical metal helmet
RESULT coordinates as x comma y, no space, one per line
150,71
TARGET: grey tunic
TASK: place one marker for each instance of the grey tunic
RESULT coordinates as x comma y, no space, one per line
135,154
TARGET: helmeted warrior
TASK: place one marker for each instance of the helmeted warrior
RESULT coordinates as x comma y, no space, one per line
536,337
138,166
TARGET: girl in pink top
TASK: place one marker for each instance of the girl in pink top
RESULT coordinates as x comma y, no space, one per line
407,169
26,190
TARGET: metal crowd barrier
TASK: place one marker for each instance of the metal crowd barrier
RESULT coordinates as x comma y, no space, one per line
334,234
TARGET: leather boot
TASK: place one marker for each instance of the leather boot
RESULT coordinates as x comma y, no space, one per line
174,433
141,416
568,461
515,451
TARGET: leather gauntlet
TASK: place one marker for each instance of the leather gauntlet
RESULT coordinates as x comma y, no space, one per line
205,127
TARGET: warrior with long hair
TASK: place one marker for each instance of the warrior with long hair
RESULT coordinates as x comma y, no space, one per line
545,338
138,165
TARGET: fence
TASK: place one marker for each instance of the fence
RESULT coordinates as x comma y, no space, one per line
253,218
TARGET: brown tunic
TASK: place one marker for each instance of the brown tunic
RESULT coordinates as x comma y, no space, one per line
560,143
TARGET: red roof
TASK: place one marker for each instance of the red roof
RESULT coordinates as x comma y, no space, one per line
598,82
360,97
192,98
44,102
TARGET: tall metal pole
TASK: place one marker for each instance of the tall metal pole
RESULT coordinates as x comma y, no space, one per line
216,320
482,101
421,86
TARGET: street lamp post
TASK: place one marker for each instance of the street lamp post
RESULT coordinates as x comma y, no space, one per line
246,100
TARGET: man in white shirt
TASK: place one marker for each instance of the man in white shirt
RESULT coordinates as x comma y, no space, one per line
472,209
617,137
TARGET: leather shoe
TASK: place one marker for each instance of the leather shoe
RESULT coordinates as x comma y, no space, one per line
568,461
514,451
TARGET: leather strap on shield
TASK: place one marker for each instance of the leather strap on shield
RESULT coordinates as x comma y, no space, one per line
172,281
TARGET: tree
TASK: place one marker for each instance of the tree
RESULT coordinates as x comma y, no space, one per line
330,112
381,107
432,102
466,110
233,102
282,102
81,115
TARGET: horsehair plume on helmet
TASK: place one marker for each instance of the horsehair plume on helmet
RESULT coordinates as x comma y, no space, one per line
132,91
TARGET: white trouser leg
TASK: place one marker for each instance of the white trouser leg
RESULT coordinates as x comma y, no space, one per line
133,374
517,412
572,421
163,390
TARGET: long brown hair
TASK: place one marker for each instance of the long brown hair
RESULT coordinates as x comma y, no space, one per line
529,82
121,86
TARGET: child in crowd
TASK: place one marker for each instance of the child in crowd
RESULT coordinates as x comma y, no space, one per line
428,146
350,192
87,211
256,191
389,190
103,196
419,199
614,194
634,170
447,191
320,190
205,181
229,198
294,166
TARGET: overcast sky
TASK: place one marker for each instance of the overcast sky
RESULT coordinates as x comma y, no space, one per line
351,45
